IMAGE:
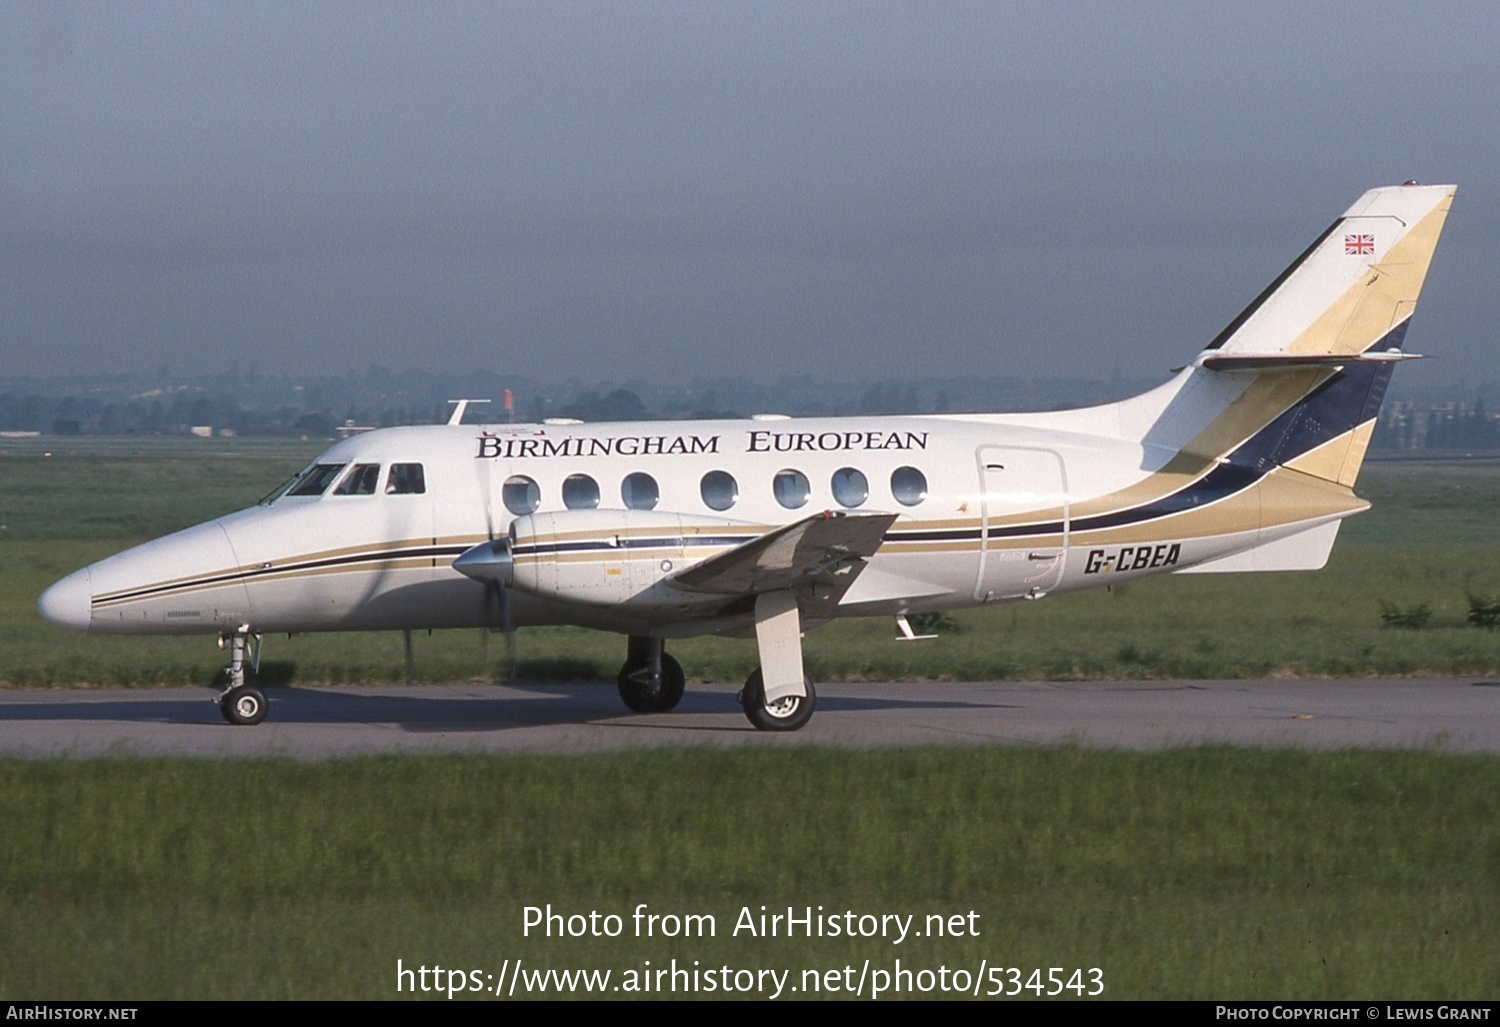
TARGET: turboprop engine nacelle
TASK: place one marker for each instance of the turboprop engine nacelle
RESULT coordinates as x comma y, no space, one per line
602,557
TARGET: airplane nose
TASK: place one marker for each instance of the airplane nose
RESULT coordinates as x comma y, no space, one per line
67,603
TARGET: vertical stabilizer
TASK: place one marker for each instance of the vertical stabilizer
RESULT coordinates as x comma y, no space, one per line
1355,286
1324,338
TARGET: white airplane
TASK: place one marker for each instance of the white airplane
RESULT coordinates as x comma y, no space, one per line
1244,461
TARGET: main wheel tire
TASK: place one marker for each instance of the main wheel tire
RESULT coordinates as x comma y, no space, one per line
789,713
637,692
244,706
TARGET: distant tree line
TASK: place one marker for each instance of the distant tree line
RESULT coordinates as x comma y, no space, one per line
176,413
251,403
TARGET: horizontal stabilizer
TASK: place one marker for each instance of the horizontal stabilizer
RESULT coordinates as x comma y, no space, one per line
828,548
1297,361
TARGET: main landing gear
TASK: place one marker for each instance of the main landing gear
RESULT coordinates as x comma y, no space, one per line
240,703
789,713
650,680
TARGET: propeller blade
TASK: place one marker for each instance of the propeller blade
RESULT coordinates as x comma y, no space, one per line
502,623
487,497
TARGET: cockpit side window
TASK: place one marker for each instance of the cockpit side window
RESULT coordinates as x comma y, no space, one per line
359,482
317,479
405,479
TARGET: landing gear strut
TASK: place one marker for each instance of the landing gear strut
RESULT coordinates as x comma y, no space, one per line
240,703
789,713
650,680
778,638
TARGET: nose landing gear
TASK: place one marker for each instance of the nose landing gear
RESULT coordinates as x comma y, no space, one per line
241,704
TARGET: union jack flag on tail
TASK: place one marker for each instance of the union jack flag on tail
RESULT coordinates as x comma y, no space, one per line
1361,245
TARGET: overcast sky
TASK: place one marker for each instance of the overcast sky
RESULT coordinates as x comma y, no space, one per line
619,190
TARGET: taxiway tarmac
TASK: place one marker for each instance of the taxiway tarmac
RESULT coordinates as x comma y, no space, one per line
310,722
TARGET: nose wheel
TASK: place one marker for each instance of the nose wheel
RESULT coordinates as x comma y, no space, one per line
243,706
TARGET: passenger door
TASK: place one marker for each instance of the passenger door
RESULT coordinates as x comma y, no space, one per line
1024,522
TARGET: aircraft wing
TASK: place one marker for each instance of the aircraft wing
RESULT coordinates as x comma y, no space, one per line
827,549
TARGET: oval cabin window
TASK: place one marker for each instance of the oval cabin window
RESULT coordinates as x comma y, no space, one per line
520,495
908,485
850,487
791,489
580,492
639,491
719,490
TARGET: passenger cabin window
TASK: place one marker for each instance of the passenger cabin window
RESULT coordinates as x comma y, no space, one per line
580,492
520,495
791,488
850,487
317,479
639,491
719,490
405,479
359,482
908,485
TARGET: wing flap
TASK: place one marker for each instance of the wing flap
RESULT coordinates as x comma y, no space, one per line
828,549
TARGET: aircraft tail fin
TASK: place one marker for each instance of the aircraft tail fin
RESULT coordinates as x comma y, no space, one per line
1297,379
1354,287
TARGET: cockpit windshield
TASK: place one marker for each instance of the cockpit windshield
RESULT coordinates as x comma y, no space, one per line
360,482
315,480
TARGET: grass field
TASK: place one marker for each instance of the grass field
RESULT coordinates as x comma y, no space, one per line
1194,873
1191,873
1430,541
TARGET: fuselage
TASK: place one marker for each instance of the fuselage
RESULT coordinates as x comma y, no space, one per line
987,509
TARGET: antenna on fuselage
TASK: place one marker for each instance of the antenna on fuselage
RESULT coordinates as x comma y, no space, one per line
459,406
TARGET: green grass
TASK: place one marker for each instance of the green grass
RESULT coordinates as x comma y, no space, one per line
131,490
1430,540
1422,504
1182,874
1189,873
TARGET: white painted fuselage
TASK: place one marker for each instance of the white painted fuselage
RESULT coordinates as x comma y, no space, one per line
1245,460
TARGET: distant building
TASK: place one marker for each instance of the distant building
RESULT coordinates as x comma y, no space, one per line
1454,424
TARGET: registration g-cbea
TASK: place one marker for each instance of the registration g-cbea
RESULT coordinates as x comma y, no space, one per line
1244,461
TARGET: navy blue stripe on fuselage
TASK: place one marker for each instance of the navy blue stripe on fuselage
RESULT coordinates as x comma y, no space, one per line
1222,482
